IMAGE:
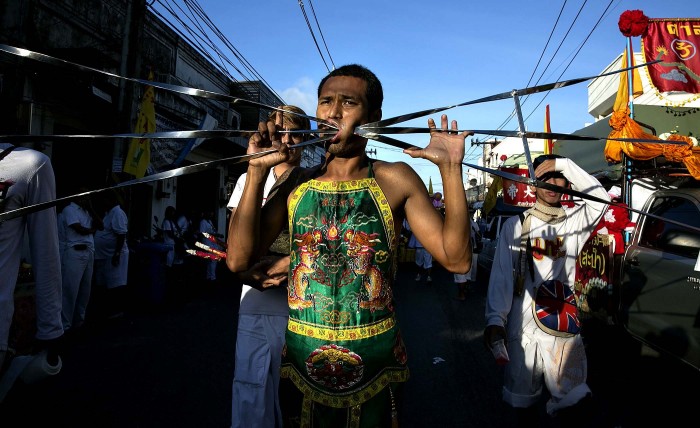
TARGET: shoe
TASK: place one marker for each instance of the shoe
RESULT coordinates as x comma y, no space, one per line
418,277
429,279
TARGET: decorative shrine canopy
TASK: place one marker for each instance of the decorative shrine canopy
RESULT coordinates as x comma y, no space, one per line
675,42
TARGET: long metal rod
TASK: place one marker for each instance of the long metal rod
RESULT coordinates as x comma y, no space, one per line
526,144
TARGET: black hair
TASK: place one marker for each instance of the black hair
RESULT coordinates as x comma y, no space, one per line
541,158
375,94
552,174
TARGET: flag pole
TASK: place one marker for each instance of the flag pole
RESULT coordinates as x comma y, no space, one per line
548,143
627,178
630,76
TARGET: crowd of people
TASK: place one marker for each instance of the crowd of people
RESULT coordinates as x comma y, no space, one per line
315,248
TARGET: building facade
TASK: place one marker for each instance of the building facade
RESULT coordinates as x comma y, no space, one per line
122,38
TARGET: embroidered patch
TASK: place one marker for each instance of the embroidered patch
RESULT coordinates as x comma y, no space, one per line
335,367
554,308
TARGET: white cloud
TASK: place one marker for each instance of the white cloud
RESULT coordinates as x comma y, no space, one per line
302,94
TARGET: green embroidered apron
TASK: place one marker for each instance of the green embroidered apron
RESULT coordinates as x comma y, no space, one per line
343,345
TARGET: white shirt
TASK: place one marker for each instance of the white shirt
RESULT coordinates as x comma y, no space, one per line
561,242
255,302
115,223
75,214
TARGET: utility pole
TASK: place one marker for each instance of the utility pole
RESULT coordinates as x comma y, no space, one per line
485,153
371,152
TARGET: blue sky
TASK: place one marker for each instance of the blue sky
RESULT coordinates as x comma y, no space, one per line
438,53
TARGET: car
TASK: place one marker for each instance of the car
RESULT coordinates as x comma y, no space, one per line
492,231
660,284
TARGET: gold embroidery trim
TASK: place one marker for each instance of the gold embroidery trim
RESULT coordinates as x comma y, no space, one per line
345,400
345,334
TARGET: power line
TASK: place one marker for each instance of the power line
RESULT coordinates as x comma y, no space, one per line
313,36
204,44
575,55
321,33
551,33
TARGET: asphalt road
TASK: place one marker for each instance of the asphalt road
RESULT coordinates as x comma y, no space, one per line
172,364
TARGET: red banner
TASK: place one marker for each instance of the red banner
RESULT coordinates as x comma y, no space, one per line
675,42
520,194
515,193
594,275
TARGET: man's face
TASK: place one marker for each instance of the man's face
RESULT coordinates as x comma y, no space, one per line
343,101
291,140
548,197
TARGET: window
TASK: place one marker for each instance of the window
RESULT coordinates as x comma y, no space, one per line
670,237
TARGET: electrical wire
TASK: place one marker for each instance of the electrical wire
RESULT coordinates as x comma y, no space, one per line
575,55
561,10
321,33
313,36
204,44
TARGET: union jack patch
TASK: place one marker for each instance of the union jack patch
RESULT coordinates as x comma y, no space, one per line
555,310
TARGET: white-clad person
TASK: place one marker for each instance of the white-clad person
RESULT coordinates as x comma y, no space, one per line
530,300
77,260
263,313
112,256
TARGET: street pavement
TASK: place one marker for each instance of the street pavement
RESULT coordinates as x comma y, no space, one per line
171,364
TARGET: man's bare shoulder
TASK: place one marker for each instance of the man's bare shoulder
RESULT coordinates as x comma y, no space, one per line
394,171
397,180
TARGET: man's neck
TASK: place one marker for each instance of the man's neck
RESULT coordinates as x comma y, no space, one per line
344,169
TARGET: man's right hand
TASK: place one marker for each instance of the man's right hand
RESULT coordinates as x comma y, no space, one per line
493,333
265,139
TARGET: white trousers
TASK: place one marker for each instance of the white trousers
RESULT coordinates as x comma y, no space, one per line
76,275
538,358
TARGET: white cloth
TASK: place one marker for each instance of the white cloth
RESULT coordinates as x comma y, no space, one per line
262,323
27,178
555,247
77,264
182,225
106,274
471,275
268,302
168,225
75,214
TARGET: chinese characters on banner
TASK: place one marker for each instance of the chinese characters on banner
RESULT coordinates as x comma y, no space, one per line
594,274
675,42
515,193
520,194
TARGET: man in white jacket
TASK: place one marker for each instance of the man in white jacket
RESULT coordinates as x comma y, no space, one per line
530,301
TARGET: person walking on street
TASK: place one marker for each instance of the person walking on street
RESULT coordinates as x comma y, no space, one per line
343,347
78,258
530,299
423,259
263,310
112,256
